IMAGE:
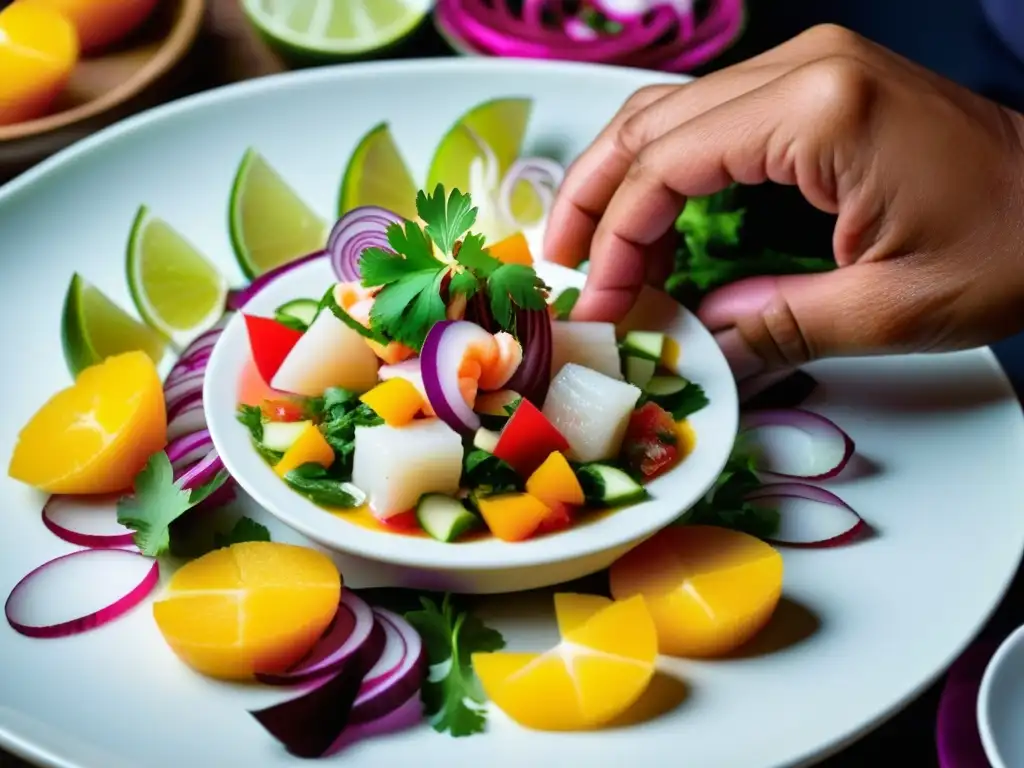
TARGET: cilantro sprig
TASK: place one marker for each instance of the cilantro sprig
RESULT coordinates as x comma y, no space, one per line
452,697
411,273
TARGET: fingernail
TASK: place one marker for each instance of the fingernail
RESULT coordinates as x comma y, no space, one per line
743,361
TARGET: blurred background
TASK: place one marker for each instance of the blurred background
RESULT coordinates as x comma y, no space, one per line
70,67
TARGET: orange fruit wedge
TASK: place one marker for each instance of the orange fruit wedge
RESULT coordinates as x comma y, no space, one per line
709,589
601,668
256,607
95,436
100,22
38,50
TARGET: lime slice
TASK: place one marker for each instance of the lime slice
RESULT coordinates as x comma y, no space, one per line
93,328
329,29
377,175
270,224
176,290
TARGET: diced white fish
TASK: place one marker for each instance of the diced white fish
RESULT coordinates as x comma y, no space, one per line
591,410
592,345
394,466
329,354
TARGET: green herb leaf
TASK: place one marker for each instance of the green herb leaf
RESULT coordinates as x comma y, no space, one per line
446,219
158,502
685,402
487,475
473,256
316,483
452,696
564,303
339,428
244,529
251,417
407,309
513,286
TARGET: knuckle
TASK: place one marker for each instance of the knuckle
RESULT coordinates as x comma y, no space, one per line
832,38
649,94
631,136
782,330
840,87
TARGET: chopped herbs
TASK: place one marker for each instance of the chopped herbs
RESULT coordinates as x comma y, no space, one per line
321,487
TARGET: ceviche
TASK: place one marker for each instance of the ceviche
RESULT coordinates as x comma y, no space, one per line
439,389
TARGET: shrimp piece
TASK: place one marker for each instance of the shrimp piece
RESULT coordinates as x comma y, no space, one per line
358,301
504,364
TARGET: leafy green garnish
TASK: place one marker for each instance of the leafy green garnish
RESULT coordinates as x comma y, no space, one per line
329,303
487,475
452,696
564,303
339,413
411,276
726,505
244,529
158,502
251,417
714,252
685,402
321,487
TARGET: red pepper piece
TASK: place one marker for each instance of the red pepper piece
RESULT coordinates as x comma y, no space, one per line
527,439
270,342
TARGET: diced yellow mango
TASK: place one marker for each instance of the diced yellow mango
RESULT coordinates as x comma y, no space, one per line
310,448
513,516
554,481
514,249
396,401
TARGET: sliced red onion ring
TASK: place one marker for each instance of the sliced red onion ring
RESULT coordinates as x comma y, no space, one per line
359,229
190,419
809,516
80,591
398,674
201,472
533,376
407,715
445,347
629,10
184,403
348,633
309,724
183,387
188,449
86,521
792,442
239,298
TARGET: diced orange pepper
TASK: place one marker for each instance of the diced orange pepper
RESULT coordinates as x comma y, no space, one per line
513,516
554,482
514,249
310,448
395,400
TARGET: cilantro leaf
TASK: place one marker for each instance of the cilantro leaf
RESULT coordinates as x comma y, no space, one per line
339,428
244,529
452,696
564,303
475,258
158,502
447,219
251,417
464,283
685,402
513,286
406,309
319,486
412,252
486,475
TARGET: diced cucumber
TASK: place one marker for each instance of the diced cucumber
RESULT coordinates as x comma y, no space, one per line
608,486
485,440
298,313
443,517
649,344
665,386
639,371
281,435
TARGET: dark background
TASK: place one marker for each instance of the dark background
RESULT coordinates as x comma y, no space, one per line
951,37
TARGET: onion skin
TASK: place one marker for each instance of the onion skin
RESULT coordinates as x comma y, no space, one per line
359,229
826,432
813,493
533,377
89,540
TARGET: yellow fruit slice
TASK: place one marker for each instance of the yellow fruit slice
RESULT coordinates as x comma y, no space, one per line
377,175
601,668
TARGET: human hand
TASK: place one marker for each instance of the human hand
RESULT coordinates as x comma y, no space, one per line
927,180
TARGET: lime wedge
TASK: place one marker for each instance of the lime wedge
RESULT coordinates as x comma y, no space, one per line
377,175
93,328
335,29
270,224
176,290
499,124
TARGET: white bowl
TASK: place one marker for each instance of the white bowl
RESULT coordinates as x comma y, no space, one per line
1001,704
486,565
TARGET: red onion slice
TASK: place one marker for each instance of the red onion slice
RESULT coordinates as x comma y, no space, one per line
86,521
359,229
408,715
792,442
238,299
348,633
80,591
398,674
189,420
200,473
533,376
185,451
809,516
445,347
183,388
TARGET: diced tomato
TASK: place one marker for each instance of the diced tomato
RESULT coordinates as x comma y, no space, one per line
270,342
404,522
650,446
558,519
527,439
283,410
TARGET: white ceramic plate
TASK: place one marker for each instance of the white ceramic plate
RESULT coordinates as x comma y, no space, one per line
941,440
1001,704
486,565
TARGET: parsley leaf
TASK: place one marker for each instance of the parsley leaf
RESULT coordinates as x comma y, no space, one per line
685,402
251,417
486,475
407,309
339,428
319,486
447,220
564,303
244,529
412,252
158,502
452,696
474,257
514,285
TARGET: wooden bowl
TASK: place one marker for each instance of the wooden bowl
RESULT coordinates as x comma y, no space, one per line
108,86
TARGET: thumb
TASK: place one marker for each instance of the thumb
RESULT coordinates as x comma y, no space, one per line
768,323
